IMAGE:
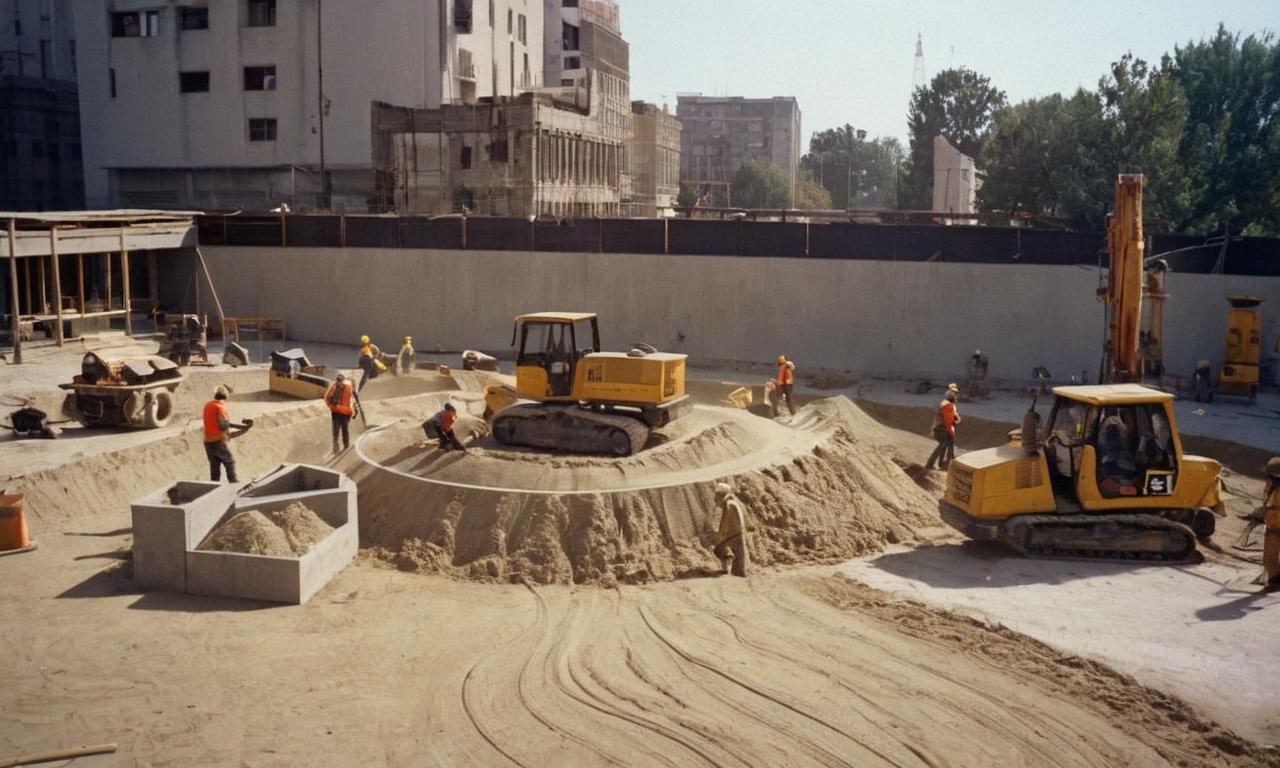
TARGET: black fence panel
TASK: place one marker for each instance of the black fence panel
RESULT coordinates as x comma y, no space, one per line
568,236
1201,255
633,236
764,238
313,231
210,230
486,234
249,230
704,237
444,234
372,232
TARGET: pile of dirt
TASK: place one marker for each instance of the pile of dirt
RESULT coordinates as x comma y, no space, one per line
288,532
824,489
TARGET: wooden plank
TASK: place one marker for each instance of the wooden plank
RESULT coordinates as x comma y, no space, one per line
13,291
107,257
124,279
44,298
80,263
57,281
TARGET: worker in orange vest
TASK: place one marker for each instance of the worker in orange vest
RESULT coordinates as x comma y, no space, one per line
338,398
217,435
783,385
440,427
370,362
944,429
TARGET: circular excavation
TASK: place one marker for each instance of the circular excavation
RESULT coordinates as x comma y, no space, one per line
816,492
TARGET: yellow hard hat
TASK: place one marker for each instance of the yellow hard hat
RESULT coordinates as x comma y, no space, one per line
782,359
364,339
408,339
1273,467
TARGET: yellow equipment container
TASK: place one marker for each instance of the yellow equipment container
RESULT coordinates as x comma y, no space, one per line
571,396
1239,374
1105,477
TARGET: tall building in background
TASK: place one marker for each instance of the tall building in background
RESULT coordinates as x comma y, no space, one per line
212,105
655,159
718,133
40,151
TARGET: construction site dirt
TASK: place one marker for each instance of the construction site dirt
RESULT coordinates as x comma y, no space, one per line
514,607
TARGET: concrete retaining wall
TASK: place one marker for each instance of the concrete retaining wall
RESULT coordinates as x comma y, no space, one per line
871,317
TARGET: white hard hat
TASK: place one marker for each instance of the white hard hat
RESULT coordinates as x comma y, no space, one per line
723,489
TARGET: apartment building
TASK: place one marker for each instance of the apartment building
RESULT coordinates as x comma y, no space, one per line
718,133
655,159
215,105
39,111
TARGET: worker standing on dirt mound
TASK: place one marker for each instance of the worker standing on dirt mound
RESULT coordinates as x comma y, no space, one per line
217,437
404,360
1271,519
944,429
731,539
783,385
440,427
370,363
338,398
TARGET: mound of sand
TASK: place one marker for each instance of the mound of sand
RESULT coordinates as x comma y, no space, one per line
288,532
825,489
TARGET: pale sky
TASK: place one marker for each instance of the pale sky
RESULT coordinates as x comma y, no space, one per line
852,62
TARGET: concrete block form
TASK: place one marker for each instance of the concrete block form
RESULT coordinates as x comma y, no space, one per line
169,521
166,536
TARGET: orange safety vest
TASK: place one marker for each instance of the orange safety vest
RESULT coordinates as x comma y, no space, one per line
213,432
785,376
447,419
343,405
947,412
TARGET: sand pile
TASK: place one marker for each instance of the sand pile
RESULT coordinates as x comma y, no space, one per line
824,489
287,532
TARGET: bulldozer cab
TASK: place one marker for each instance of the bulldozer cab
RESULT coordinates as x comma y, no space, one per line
1101,447
551,344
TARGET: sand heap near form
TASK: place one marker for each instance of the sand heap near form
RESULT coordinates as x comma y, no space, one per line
288,532
821,489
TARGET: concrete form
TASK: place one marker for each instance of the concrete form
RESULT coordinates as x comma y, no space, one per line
655,159
718,134
542,152
217,105
955,180
166,536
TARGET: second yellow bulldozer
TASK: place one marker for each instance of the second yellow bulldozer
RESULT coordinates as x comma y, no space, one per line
570,396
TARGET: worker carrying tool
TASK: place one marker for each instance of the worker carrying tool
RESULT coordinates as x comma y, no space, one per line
371,362
945,420
976,386
404,360
218,434
338,398
1271,519
783,385
440,427
731,539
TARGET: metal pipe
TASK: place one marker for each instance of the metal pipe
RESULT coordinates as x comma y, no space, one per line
57,281
13,290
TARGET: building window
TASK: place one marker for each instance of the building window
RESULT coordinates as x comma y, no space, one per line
466,158
570,3
259,78
135,24
193,82
522,29
193,18
510,26
262,129
53,151
262,13
573,62
570,41
111,73
462,15
46,61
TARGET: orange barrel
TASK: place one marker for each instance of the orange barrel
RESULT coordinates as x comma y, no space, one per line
13,524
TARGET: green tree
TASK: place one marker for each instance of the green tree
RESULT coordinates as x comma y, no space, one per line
810,196
958,104
761,186
858,173
1016,157
688,194
1230,146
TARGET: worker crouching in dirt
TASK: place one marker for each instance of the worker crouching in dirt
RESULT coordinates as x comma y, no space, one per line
338,398
217,437
1271,519
731,539
440,427
944,429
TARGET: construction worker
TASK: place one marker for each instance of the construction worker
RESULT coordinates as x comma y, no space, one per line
370,362
976,387
440,427
338,398
217,437
1271,519
731,538
404,360
944,429
783,385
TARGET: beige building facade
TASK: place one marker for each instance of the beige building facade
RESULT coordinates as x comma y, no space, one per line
955,180
655,159
719,133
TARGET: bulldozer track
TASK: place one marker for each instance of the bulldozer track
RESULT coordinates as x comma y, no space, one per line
570,428
1070,537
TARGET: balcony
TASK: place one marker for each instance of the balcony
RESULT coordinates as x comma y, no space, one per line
466,66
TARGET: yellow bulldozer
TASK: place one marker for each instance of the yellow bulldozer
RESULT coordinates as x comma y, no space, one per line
1105,476
570,396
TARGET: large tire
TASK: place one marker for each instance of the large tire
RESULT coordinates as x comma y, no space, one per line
158,411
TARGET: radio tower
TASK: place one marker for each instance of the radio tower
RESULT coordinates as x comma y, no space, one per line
918,78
